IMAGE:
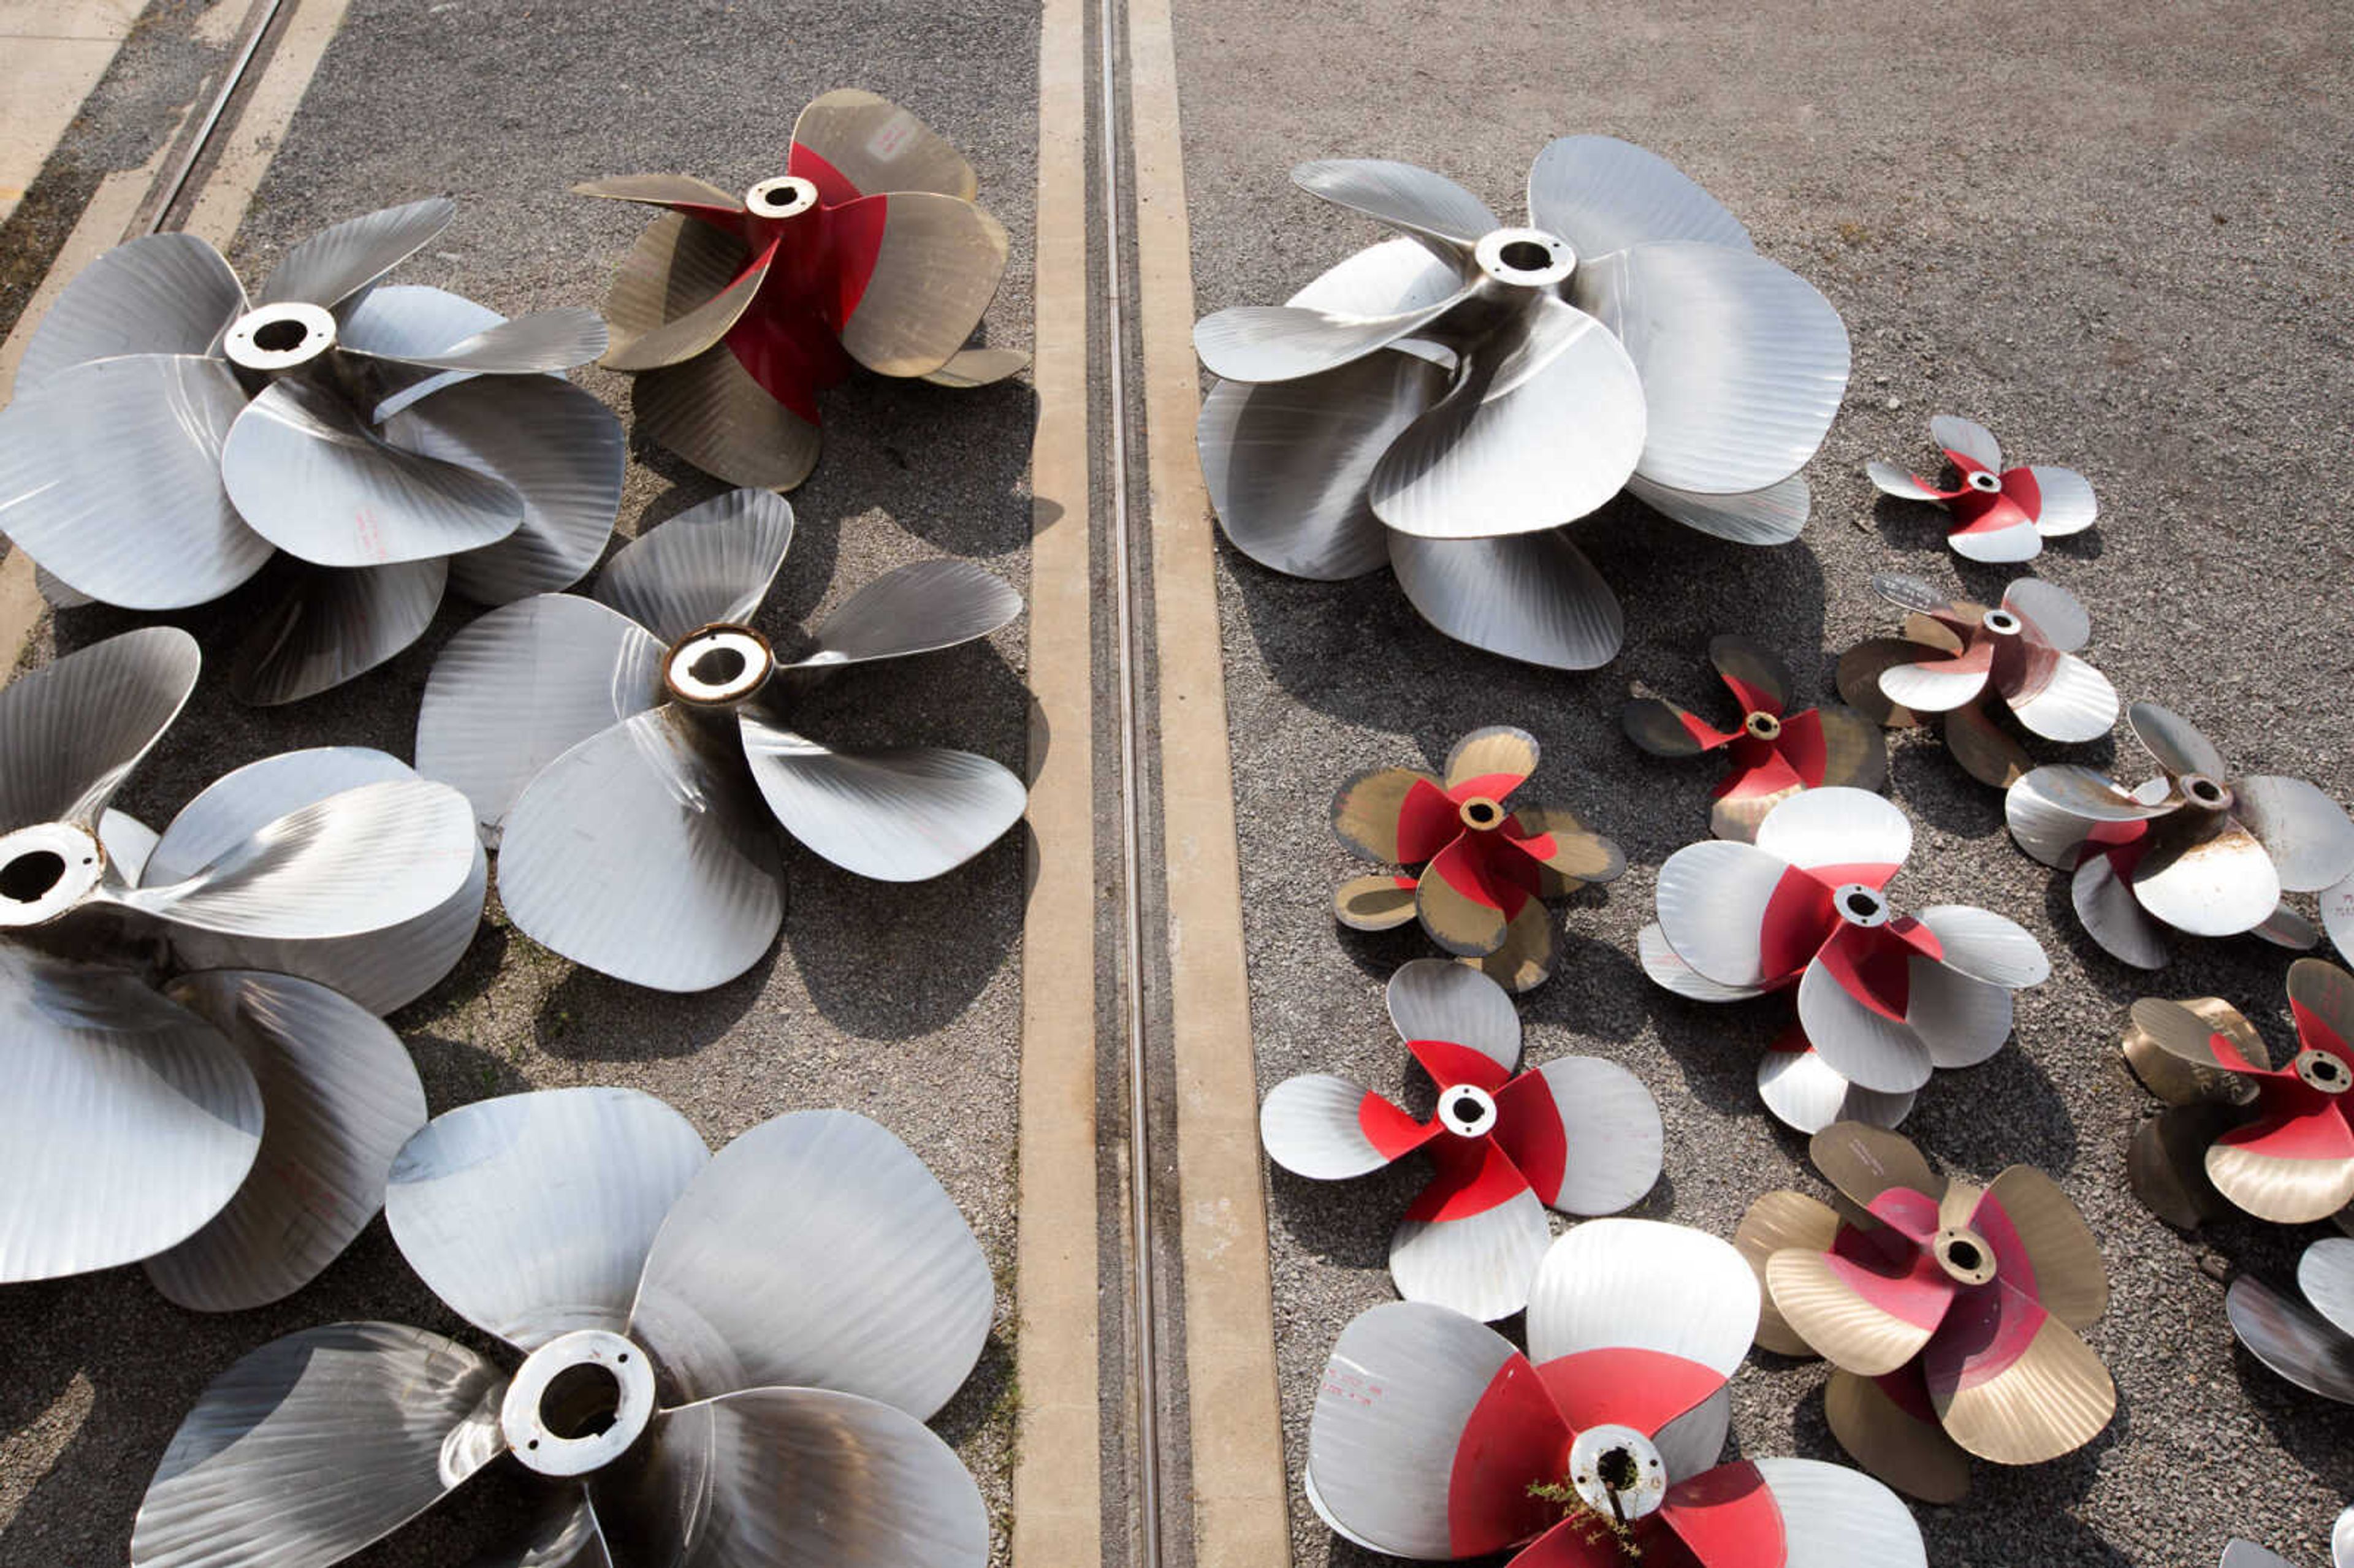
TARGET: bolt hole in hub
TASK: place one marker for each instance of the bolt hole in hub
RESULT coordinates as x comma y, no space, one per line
2321,1070
718,666
1527,258
577,1403
1617,1472
781,197
43,872
1965,1256
1859,906
1468,1112
1984,482
279,337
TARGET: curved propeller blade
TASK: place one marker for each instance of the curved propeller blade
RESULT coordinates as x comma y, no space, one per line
1831,1514
936,265
1773,515
542,341
71,731
329,624
2175,742
1585,1132
1395,816
709,410
2013,1383
1382,279
1329,1129
2292,1169
1807,1093
531,1215
970,367
2075,702
1890,480
1713,900
875,146
678,290
2166,1163
1664,729
156,534
2056,614
816,1251
1603,195
1775,1221
336,263
2052,810
682,193
318,1444
901,815
2217,886
404,321
160,293
1667,968
1285,343
640,855
1432,210
1544,424
1530,597
1472,1240
712,563
917,608
339,1095
1644,1285
1863,836
2291,1338
1938,685
2064,500
126,1122
1431,999
2309,835
1965,438
2325,1273
1986,946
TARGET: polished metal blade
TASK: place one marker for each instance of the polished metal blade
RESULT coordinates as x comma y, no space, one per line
1644,1285
1837,827
155,534
901,815
1986,946
1603,195
1477,1262
1430,209
523,685
1832,1516
1998,545
126,1121
1961,1021
1938,685
329,624
1890,480
1667,968
2309,835
2291,1338
2175,742
916,608
72,730
660,190
1606,1125
403,320
1862,1162
1742,363
934,271
815,1250
2166,1163
1434,999
1530,597
643,853
339,1097
1859,1041
1773,515
678,290
128,841
2067,503
310,476
544,341
877,146
2057,615
2216,886
1382,279
2054,808
531,1214
1805,1092
1284,343
709,410
1322,1128
2077,704
566,1535
1714,898
318,1444
2325,1274
1984,746
970,367
710,563
1775,1221
336,263
1971,439
160,293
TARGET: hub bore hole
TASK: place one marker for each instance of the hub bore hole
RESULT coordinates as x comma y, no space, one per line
29,876
2202,790
1480,811
1963,1256
1524,256
1467,1109
1999,622
1863,905
1985,480
717,666
580,1402
1618,1469
279,336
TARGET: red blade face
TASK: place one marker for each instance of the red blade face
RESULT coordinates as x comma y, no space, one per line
1626,1387
1802,749
793,357
1471,891
1450,1063
1515,1436
1727,1518
1473,1176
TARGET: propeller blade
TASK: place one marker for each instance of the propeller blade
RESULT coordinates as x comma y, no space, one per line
2309,836
970,367
405,321
2052,810
641,856
1396,816
1542,425
1603,195
916,608
678,290
1963,438
1584,1133
2217,886
2075,703
712,563
1860,1042
160,293
1431,999
2065,1261
2166,1163
336,263
1471,1240
875,146
709,410
2292,1169
1961,1021
1869,1314
936,263
1493,761
1722,911
531,1215
815,1250
565,1535
339,1095
902,815
2004,538
543,341
1773,515
1986,946
1329,1129
2055,613
2064,500
2011,1382
1805,1092
1938,685
1742,363
1380,903
1862,1162
1890,480
1664,729
1857,834
1898,1439
1432,210
156,534
2175,742
71,731
681,193
1830,1514
329,624
1530,597
2291,1338
1858,678
1382,279
1285,343
2321,995
1759,682
1643,1285
1667,968
317,1444
1775,1221
2325,1273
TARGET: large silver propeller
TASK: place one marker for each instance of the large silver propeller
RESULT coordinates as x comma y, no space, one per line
632,756
169,434
724,1359
1449,400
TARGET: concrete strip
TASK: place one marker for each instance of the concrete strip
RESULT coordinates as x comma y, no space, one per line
1240,1518
42,80
247,147
1058,1476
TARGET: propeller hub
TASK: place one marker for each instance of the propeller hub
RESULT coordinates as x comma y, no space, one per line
1481,813
45,870
789,196
1985,482
1467,1111
1617,1472
2001,622
1525,258
2326,1071
1963,1254
1762,726
577,1403
2206,794
718,666
1861,905
278,338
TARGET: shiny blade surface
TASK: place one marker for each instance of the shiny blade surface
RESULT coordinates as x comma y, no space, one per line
970,367
1742,363
1890,480
1907,1450
1395,275
404,321
1608,1127
542,341
660,190
1862,1162
878,146
126,1121
934,273
1837,827
1859,1041
1478,1263
901,815
678,290
1603,195
2309,835
2055,612
336,263
2067,503
1544,424
2175,741
1937,684
816,1251
2052,811
1807,1094
1713,897
2291,1338
1773,515
1329,1129
1986,946
156,534
709,410
1832,1517
318,1444
2077,704
531,1215
1983,747
2217,886
710,563
2325,1273
329,624
1530,597
1431,209
71,731
339,1095
160,293
1431,999
2071,1281
641,854
1644,1285
916,608
1284,343
1667,968
1971,439
523,685
1775,1221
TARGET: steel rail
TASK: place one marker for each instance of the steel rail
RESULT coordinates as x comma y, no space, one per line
210,125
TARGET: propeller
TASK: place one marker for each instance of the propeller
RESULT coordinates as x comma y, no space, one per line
1448,401
1883,997
630,754
1432,1437
2196,850
169,435
1999,515
1578,1134
2307,1338
196,1078
1950,1312
1487,869
1774,753
1957,657
735,311
724,1358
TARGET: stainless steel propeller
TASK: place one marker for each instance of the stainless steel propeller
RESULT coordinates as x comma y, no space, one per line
1883,997
2000,515
1578,1134
1432,1437
1775,753
725,1358
1950,1312
2308,1338
1445,402
2240,1554
1487,869
630,757
736,311
169,434
195,1075
2195,849
1956,659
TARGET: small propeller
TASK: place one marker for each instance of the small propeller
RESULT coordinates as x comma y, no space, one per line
2000,515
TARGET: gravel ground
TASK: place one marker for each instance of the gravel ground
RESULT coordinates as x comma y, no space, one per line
901,1003
2116,235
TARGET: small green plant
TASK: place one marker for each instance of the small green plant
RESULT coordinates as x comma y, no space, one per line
1591,1523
